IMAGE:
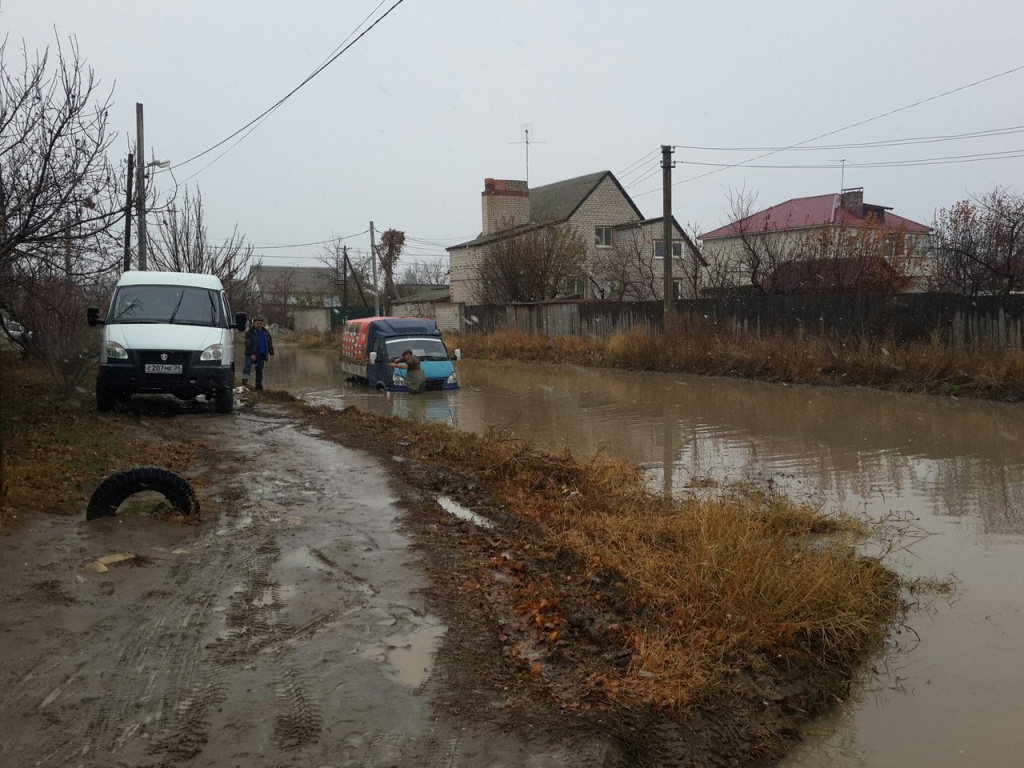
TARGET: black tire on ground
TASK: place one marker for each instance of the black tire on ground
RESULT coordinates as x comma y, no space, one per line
106,399
225,400
118,487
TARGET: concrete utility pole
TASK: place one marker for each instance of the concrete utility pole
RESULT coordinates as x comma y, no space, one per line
666,236
373,261
140,186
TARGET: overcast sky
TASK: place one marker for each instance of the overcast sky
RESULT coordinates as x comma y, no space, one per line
403,127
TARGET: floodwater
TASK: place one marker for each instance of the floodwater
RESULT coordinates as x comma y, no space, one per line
947,691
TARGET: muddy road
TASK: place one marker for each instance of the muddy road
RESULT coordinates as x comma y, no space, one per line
292,627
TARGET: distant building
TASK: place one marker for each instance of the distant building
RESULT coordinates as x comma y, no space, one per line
624,250
762,250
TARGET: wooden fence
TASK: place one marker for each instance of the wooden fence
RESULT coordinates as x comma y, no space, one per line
954,320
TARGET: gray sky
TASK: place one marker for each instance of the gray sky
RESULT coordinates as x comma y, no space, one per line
403,127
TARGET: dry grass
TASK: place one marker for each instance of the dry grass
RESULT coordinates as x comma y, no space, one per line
925,368
57,450
694,593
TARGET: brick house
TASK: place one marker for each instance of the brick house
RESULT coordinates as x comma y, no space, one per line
810,245
624,250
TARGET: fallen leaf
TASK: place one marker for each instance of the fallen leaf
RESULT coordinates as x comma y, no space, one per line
119,557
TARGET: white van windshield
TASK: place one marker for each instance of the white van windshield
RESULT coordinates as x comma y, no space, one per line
423,348
176,304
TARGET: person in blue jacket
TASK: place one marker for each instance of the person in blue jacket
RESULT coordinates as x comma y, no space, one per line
259,347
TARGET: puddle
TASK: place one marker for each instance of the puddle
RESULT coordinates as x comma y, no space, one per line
460,511
410,653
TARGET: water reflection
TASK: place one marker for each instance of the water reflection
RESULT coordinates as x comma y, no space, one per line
955,467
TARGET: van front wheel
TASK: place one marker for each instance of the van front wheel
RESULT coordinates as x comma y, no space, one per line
224,400
106,399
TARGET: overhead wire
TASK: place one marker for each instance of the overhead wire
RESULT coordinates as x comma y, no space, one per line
888,113
947,160
253,123
864,145
629,169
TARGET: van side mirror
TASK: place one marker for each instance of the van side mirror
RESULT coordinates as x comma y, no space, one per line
373,358
457,355
92,315
240,320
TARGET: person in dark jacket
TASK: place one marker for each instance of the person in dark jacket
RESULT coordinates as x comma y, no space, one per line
259,347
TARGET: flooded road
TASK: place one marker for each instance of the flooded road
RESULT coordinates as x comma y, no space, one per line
947,693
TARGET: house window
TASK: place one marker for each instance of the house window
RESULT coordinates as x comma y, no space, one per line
603,237
677,289
659,249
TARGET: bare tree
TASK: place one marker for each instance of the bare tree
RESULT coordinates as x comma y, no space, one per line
56,184
276,300
979,245
430,272
183,245
541,263
52,309
839,258
626,272
57,188
389,250
347,277
762,247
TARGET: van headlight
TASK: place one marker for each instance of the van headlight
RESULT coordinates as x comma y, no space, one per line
397,380
115,351
453,378
213,352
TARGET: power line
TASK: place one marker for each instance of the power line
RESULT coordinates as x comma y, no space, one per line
948,160
642,161
845,128
330,60
864,145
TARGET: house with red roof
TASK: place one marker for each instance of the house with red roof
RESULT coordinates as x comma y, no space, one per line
830,243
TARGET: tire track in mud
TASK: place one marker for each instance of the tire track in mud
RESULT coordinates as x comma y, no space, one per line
301,722
277,641
153,673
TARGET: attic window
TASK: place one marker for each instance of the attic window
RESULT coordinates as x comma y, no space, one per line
603,237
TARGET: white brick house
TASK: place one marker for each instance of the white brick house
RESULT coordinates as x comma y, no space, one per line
624,253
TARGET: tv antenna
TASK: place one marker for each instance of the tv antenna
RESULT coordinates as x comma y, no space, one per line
842,174
526,134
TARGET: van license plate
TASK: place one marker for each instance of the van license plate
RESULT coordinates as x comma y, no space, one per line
162,368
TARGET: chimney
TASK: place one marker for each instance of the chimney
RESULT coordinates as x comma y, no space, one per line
505,204
852,200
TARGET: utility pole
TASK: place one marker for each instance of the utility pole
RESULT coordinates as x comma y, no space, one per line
128,215
344,284
373,261
140,186
666,232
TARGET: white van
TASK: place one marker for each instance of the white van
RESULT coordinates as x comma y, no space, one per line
167,332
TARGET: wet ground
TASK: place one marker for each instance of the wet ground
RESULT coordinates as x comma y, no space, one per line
946,692
290,628
293,627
